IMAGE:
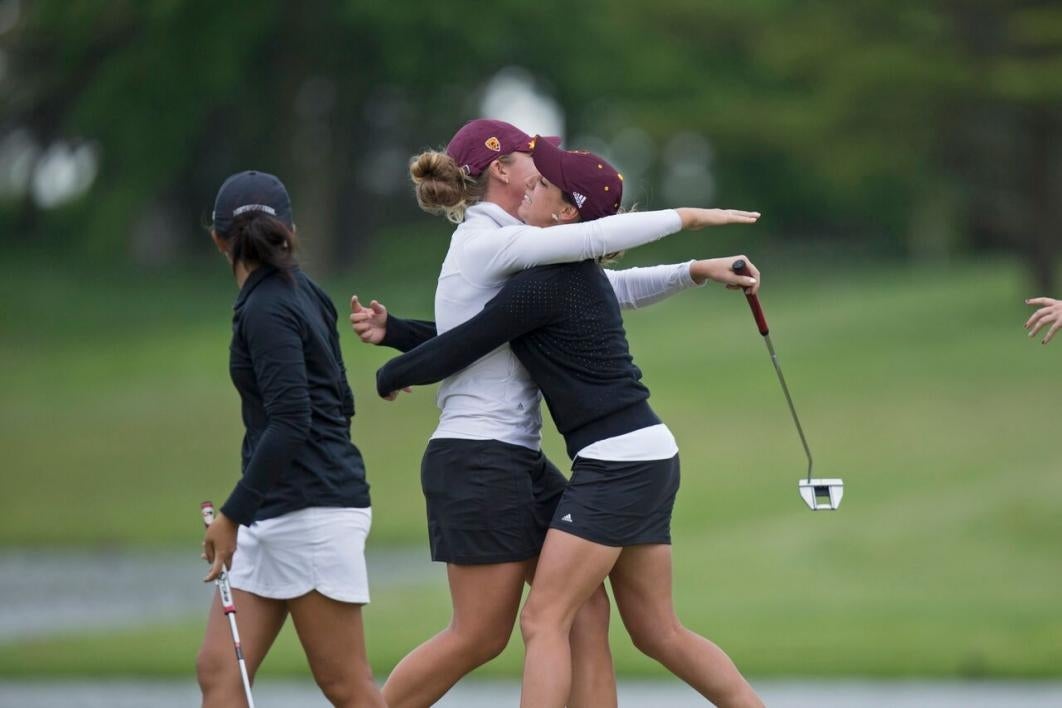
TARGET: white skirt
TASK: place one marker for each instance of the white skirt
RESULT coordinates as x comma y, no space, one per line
320,548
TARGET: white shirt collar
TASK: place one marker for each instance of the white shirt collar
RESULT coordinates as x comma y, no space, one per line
489,210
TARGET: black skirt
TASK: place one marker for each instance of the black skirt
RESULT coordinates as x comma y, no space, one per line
487,501
619,503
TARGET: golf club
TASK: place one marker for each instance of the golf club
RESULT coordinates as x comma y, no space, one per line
818,494
207,509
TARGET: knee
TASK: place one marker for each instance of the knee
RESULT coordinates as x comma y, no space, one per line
536,621
655,642
490,646
213,672
482,643
593,617
529,623
339,692
346,686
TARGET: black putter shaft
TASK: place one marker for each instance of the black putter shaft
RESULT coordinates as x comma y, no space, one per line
738,267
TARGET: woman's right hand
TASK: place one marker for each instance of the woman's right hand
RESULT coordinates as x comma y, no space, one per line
219,545
694,218
394,394
369,323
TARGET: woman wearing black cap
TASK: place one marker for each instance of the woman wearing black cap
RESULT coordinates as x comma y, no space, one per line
613,520
490,491
293,529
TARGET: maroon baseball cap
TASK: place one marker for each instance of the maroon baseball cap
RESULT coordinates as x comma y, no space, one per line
592,185
482,141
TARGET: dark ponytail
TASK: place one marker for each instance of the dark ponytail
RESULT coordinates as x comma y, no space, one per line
256,238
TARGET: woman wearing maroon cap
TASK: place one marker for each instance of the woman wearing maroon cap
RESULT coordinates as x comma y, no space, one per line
613,520
490,492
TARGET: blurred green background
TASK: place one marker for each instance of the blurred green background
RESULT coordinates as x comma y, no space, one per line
907,157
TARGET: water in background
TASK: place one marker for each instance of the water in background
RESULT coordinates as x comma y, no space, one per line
54,592
44,593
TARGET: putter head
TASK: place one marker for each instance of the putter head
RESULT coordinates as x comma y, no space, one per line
821,494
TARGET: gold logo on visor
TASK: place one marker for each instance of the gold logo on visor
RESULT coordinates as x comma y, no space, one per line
493,143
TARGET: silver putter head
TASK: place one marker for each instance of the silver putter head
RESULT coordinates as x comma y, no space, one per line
820,494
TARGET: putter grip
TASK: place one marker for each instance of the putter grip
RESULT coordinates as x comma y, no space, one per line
738,267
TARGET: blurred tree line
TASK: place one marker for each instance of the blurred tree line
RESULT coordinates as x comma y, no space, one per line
919,129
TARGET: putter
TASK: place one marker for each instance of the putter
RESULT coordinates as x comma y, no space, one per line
818,494
207,509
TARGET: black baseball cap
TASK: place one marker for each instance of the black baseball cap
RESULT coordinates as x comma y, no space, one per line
251,191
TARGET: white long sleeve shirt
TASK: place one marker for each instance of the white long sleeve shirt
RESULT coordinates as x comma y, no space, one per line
495,398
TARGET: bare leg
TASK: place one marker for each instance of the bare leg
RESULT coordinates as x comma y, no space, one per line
641,582
569,570
259,620
593,675
485,601
333,637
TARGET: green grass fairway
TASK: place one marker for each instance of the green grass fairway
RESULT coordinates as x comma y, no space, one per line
919,388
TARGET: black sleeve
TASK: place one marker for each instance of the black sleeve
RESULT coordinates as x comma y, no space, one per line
274,340
331,317
517,309
346,395
404,335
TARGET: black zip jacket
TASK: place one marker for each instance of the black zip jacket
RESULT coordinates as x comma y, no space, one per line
286,365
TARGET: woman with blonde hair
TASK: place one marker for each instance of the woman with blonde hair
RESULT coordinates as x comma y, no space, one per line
490,491
614,518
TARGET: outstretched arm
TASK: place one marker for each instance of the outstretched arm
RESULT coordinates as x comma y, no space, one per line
639,287
493,256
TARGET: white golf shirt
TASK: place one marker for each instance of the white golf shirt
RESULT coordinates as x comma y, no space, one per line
495,398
